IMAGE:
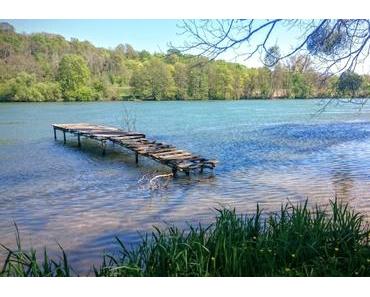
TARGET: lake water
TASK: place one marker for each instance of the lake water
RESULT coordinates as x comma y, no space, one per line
268,152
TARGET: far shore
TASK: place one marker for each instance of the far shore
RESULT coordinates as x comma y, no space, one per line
190,100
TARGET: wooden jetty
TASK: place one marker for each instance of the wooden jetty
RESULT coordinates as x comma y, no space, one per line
178,160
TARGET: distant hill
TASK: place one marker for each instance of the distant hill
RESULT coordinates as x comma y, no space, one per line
47,67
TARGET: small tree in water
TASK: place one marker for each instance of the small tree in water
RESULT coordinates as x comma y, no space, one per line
128,119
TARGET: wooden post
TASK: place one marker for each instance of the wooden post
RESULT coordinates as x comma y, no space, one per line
64,137
55,133
103,143
79,140
174,171
136,158
187,172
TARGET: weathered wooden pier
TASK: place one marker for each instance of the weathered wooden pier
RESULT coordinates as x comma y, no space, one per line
178,160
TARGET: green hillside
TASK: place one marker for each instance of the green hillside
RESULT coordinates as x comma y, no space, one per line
47,67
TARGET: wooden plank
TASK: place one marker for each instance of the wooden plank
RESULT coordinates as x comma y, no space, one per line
133,145
143,141
164,153
156,151
123,138
190,164
154,147
118,134
130,145
177,157
176,152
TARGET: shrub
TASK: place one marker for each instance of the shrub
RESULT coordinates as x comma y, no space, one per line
25,88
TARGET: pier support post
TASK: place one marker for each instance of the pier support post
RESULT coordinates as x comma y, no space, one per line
174,172
187,172
104,144
78,140
136,158
64,137
55,134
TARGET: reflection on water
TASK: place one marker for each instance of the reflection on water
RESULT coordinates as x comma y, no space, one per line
343,184
269,151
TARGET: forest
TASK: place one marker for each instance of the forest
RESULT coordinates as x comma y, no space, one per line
47,67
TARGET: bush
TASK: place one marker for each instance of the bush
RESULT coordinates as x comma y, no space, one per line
103,89
82,93
50,91
25,88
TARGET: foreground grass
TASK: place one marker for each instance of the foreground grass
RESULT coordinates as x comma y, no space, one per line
296,241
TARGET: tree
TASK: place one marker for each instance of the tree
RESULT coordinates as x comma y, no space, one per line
238,80
153,80
139,83
349,82
43,66
162,84
73,78
336,44
272,56
144,55
299,86
279,81
6,27
198,87
130,52
220,81
181,80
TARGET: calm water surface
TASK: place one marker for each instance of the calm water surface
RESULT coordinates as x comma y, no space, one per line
269,151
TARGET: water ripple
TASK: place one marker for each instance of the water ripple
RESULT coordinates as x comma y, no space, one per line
268,152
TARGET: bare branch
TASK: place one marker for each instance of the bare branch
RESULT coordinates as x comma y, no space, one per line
336,45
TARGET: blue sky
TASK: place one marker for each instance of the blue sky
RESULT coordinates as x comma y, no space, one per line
152,35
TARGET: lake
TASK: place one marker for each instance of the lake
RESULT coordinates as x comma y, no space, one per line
269,152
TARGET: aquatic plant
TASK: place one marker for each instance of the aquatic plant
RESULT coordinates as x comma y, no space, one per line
25,263
295,241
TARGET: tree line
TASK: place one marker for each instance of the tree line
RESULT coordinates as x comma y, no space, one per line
47,67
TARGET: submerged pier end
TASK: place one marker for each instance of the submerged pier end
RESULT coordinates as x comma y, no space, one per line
169,155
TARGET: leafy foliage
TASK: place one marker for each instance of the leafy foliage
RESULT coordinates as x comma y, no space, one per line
328,40
46,67
272,56
349,82
73,77
24,87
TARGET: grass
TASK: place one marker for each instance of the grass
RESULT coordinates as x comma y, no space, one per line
295,241
25,263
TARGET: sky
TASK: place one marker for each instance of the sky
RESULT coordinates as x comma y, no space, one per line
153,35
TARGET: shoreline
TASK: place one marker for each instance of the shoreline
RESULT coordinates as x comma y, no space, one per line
188,100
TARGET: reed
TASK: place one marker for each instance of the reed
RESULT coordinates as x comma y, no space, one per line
295,241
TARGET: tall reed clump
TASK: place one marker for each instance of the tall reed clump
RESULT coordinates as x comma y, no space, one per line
296,241
25,263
